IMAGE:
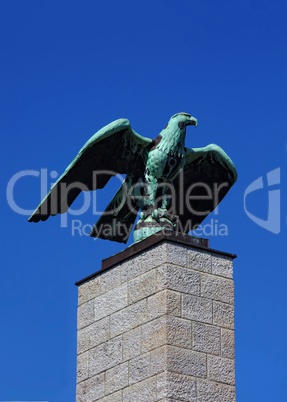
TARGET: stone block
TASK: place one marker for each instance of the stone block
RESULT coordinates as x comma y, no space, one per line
208,391
144,391
105,356
131,343
176,254
109,302
227,343
141,287
139,368
92,389
110,279
222,266
98,285
117,378
133,267
158,360
136,266
178,360
223,315
199,260
82,367
163,302
93,335
206,338
89,290
165,330
178,332
86,314
153,334
217,288
197,308
185,361
153,257
176,387
179,279
128,318
221,369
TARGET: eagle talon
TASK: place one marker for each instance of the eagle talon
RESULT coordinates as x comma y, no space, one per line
156,215
160,213
143,216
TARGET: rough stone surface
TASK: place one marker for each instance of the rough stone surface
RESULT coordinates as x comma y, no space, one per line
105,356
110,279
158,360
197,308
178,332
89,290
111,301
179,279
206,338
221,369
115,397
139,368
173,385
153,334
176,254
222,265
199,260
164,302
223,315
117,378
142,391
217,288
93,335
227,343
132,267
184,361
86,314
131,344
141,287
158,327
208,391
83,366
128,318
92,389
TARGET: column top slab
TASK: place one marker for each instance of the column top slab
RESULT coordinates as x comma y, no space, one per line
164,236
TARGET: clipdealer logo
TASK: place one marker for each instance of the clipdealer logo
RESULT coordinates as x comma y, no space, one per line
272,223
268,184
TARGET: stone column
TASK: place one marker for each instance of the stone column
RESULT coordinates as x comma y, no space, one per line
156,323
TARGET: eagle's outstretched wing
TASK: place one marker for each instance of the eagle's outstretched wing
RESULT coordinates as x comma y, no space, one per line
116,148
206,178
117,221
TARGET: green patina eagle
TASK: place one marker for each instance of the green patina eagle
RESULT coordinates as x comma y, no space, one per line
173,187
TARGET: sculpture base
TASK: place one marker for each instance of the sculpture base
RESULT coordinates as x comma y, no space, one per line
155,324
146,229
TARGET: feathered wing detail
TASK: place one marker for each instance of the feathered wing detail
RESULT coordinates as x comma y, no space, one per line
116,148
204,181
117,221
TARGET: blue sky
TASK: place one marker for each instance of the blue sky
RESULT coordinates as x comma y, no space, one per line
67,69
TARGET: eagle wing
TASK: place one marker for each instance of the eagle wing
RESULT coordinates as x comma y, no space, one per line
116,148
204,181
117,221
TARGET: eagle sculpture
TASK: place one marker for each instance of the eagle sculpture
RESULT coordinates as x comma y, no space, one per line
174,187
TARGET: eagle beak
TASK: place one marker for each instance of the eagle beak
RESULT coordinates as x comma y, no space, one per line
192,121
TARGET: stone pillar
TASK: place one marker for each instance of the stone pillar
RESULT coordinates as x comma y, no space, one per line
157,324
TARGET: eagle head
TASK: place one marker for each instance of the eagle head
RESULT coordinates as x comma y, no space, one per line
182,120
